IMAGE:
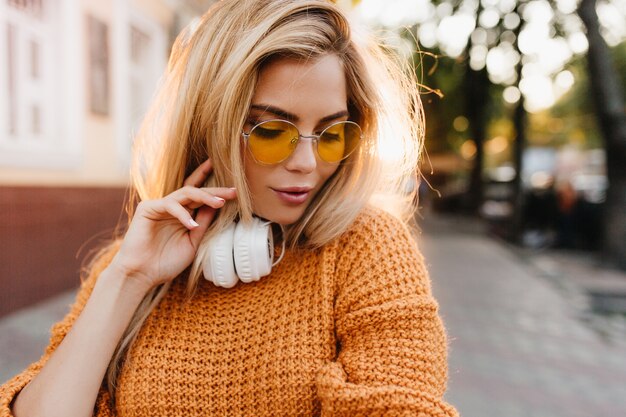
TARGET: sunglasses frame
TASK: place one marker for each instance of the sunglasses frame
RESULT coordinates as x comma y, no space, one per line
314,138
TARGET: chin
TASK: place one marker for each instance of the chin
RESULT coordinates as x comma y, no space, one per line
284,219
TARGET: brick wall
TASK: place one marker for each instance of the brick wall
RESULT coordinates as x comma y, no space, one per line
45,234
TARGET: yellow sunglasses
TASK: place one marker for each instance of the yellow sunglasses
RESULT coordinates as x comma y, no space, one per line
273,141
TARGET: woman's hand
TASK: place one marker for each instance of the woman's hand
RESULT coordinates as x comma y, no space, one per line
163,237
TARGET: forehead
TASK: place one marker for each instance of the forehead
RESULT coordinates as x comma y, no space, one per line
316,86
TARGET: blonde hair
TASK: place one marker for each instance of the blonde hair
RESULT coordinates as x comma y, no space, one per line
201,105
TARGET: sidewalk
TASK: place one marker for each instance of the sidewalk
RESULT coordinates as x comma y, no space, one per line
522,342
25,333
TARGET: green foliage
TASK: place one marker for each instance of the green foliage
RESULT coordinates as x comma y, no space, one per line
575,109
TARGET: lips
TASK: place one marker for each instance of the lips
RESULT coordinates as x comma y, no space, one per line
294,189
293,195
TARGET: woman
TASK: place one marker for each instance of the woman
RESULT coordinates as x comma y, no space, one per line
276,108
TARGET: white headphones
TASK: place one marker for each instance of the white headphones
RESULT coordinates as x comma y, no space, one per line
241,252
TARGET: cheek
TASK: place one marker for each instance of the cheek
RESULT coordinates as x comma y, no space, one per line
256,176
327,171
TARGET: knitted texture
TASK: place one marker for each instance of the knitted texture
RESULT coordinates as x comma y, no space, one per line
350,329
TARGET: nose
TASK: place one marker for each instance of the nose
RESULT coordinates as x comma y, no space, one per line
303,158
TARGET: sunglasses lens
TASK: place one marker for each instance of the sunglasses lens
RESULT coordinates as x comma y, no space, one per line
338,141
272,142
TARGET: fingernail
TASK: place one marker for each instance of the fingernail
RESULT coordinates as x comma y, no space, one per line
193,223
219,198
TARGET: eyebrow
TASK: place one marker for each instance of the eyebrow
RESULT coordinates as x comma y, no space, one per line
292,117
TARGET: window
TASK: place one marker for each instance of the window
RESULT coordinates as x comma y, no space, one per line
141,87
11,80
28,100
36,76
33,8
98,66
141,59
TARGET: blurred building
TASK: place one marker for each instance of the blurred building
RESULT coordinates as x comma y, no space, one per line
77,76
75,79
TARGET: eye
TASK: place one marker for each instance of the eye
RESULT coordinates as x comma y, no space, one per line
334,133
267,133
330,137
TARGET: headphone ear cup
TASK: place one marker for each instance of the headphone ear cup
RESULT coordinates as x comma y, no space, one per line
218,266
253,250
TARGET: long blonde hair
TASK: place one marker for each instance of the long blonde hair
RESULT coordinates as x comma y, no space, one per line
202,102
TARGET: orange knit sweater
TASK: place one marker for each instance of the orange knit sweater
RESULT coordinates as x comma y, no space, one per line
350,329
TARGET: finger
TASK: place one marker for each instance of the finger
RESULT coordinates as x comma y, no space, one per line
224,192
162,209
192,197
220,193
204,218
199,175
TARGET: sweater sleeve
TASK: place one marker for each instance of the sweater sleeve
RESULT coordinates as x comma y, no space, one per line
392,346
11,388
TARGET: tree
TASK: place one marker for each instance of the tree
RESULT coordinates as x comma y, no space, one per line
608,97
477,86
505,33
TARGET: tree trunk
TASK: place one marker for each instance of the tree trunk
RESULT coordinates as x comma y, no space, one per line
518,201
519,122
610,111
477,89
477,96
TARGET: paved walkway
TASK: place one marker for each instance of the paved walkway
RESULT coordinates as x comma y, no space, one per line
25,333
522,343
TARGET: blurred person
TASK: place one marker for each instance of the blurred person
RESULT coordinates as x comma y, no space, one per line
588,221
540,211
566,223
267,121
